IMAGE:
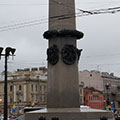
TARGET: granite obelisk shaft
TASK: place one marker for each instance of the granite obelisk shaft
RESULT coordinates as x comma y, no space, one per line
61,14
63,85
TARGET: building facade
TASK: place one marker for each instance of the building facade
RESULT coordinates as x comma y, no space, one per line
100,80
94,98
26,87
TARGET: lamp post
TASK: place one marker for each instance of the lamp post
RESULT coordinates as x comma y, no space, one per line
107,91
8,52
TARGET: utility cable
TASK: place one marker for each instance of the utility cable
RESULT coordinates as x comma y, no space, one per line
59,17
22,4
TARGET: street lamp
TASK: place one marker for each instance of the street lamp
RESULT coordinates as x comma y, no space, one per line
1,49
107,86
8,52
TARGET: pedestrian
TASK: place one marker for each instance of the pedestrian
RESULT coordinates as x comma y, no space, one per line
115,114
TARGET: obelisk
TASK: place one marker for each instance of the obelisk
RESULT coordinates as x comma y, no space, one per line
63,84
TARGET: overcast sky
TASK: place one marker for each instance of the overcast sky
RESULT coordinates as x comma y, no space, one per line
101,43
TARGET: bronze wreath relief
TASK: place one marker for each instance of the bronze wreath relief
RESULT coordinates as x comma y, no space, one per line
53,55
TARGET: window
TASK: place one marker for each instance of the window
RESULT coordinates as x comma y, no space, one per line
45,88
36,87
40,98
36,98
90,75
32,87
40,88
45,99
89,97
10,88
118,87
20,87
11,99
38,77
20,98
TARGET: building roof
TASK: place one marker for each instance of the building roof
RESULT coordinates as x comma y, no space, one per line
27,74
103,74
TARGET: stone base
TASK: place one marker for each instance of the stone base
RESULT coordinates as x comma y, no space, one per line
68,114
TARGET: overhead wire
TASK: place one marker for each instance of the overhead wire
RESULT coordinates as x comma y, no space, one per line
35,22
60,17
100,64
22,25
104,55
4,4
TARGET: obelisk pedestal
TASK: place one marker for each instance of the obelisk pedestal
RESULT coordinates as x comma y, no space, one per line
63,56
